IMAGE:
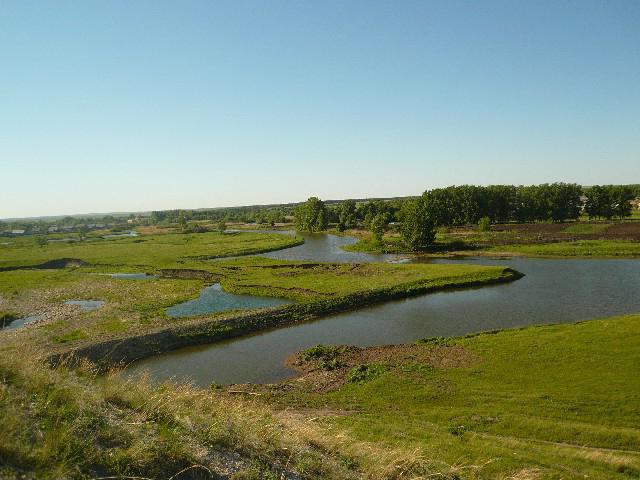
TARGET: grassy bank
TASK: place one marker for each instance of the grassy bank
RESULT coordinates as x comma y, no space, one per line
558,401
61,423
576,239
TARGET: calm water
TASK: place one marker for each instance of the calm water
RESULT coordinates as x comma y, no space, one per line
552,291
321,247
21,322
214,299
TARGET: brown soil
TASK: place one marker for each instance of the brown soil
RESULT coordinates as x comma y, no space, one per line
313,376
531,227
534,233
631,229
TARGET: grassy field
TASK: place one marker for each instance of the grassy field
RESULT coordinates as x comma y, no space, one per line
303,281
582,227
144,252
559,401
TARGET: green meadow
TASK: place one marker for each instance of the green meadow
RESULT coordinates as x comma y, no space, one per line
556,401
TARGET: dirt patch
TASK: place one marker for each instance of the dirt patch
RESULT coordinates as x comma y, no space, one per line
188,274
540,233
327,368
631,229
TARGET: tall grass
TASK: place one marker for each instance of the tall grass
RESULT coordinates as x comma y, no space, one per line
61,423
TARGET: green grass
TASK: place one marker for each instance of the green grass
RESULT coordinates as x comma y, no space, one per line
145,251
303,281
389,244
582,228
580,248
560,401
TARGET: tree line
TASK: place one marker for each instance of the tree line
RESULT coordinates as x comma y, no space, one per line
418,217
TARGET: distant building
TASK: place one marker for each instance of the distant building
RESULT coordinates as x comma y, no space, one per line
583,202
635,203
52,229
17,232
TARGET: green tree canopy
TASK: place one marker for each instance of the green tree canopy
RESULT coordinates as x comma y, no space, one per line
418,227
312,216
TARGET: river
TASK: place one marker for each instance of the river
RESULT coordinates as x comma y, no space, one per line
552,291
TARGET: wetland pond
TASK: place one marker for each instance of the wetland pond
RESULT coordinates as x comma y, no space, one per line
214,299
21,322
552,291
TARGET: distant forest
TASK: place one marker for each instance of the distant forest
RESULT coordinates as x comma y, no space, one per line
450,206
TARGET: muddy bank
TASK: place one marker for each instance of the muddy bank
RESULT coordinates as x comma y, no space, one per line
124,350
188,274
322,368
55,264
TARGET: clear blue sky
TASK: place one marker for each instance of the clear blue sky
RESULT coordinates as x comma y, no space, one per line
139,105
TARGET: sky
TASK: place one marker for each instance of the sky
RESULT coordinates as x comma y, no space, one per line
110,106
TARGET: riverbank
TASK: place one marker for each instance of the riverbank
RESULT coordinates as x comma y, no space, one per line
61,423
552,401
578,240
337,297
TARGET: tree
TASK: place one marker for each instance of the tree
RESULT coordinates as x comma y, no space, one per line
312,216
347,215
621,196
599,202
222,226
82,231
418,227
379,226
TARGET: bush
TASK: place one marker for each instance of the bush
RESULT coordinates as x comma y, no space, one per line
325,357
484,224
365,372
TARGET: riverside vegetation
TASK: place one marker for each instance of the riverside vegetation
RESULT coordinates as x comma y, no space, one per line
70,422
553,401
541,402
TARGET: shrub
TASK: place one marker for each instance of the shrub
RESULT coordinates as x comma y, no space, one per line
365,372
484,224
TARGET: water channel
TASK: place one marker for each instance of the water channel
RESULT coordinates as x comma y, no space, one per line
552,291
